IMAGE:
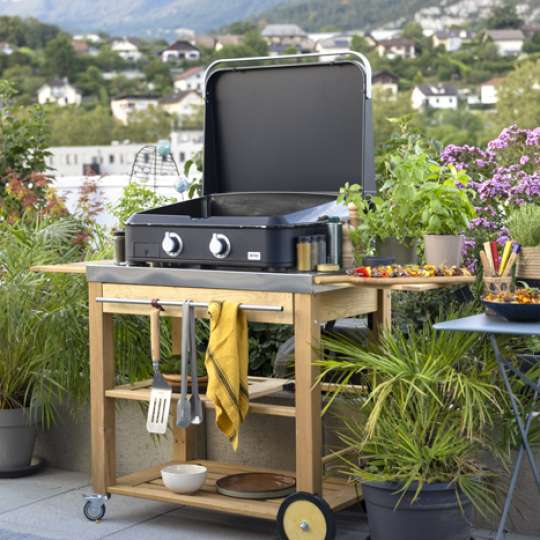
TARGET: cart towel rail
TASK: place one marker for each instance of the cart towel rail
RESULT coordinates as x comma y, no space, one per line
176,303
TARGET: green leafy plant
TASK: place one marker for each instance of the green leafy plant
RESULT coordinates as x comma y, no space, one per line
445,204
136,197
524,225
427,413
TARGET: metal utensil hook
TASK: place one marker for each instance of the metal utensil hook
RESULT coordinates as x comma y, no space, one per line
155,304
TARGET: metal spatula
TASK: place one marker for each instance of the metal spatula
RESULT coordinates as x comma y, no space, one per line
161,392
183,408
197,414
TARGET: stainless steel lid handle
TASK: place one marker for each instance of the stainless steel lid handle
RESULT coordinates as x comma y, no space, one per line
359,56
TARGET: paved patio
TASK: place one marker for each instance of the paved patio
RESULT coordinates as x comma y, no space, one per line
49,506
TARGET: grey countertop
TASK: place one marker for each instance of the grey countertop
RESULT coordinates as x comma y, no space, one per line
489,325
293,282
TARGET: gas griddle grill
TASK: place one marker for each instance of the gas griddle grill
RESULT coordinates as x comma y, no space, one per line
279,141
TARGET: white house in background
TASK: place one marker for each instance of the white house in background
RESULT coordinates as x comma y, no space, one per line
225,40
182,103
60,92
126,49
396,48
129,74
440,96
330,45
382,34
117,158
191,79
91,38
180,50
123,106
488,91
110,168
6,48
386,83
291,34
451,40
509,42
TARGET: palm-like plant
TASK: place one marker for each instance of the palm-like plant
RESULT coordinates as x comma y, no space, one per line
44,319
427,413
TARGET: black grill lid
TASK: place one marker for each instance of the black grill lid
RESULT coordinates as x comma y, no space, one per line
303,127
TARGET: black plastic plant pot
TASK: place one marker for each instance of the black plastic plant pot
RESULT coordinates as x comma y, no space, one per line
435,514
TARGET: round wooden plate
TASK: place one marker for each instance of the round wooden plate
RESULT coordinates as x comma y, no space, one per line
256,485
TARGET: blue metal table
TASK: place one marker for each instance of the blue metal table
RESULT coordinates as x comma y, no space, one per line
492,326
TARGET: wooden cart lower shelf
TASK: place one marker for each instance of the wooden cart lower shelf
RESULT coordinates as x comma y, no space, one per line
258,387
147,484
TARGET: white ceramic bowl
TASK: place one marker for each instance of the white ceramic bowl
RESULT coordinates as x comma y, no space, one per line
184,478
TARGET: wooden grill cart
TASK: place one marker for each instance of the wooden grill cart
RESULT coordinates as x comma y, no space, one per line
276,298
295,299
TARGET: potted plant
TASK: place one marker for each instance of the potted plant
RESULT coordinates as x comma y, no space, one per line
524,227
445,209
43,333
381,227
426,416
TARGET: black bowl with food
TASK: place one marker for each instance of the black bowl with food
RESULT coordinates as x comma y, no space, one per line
515,312
522,305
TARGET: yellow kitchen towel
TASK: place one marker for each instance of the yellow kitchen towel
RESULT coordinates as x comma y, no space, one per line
227,367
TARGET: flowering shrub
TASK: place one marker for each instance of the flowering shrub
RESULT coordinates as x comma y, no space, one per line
504,175
25,189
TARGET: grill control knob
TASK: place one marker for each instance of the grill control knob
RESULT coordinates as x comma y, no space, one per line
219,246
172,244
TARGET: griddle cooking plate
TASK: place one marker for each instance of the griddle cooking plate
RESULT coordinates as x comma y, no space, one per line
256,485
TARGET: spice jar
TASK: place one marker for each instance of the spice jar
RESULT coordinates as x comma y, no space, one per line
303,254
119,247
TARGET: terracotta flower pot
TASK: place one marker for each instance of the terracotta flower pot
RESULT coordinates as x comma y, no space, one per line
443,249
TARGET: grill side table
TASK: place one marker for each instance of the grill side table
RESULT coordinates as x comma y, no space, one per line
492,326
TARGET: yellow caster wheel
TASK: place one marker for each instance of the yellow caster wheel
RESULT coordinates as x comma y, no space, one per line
303,516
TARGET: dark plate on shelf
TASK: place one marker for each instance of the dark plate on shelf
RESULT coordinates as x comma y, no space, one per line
256,485
515,312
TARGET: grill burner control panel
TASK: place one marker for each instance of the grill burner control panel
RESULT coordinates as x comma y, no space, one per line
172,244
220,246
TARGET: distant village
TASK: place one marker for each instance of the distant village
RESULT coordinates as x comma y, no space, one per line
184,57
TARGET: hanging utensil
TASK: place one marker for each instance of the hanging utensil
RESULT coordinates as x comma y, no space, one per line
161,392
197,413
183,408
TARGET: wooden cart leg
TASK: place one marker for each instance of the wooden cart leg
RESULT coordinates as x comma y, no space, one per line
382,318
102,414
188,443
307,332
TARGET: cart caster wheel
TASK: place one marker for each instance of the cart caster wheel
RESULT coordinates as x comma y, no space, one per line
303,516
94,511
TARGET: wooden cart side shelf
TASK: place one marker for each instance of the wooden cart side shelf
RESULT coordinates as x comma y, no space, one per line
65,268
147,484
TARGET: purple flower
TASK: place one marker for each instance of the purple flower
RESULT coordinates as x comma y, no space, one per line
503,176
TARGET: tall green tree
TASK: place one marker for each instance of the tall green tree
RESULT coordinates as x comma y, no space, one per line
504,15
519,97
60,57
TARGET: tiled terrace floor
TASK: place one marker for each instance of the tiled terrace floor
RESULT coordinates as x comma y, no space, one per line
49,506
